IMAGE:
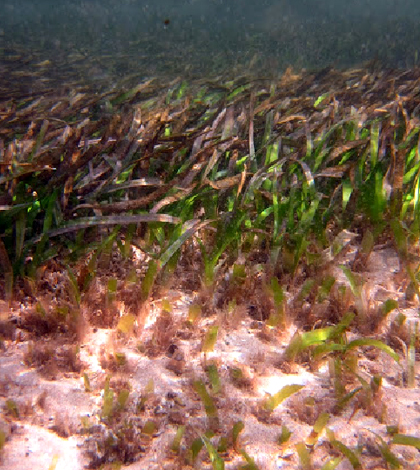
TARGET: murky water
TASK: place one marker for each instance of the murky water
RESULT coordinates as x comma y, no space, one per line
48,42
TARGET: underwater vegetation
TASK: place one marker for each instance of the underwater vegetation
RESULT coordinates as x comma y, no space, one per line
263,206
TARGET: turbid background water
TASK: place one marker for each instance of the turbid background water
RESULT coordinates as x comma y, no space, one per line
209,37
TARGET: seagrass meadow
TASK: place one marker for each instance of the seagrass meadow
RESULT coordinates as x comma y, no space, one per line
211,273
